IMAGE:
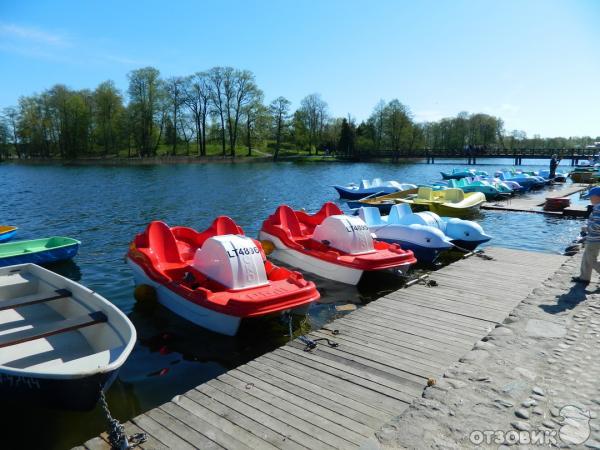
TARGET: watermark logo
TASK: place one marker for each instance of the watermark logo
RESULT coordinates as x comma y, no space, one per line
575,427
574,430
513,437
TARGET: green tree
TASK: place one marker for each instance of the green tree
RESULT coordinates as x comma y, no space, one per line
347,139
144,103
108,110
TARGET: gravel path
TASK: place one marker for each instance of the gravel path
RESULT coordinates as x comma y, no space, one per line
533,381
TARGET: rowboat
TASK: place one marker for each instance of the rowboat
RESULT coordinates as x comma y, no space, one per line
38,251
7,232
330,244
217,277
61,343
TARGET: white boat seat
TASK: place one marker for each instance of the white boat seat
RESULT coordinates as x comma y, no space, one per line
371,216
50,329
26,301
87,362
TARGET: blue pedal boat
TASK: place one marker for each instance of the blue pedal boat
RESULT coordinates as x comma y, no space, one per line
426,242
369,188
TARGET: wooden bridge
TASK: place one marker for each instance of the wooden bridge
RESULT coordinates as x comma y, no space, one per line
573,155
337,397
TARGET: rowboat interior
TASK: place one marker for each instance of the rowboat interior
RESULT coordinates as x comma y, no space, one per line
52,328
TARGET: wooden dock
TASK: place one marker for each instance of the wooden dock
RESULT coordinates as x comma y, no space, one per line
534,203
337,397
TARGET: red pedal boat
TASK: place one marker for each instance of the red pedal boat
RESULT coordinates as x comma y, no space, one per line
217,277
330,244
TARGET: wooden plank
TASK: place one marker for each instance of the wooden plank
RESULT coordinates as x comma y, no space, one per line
393,385
96,443
221,425
300,430
150,443
390,343
431,322
441,316
384,355
348,407
160,433
335,423
452,306
424,345
213,433
369,401
438,335
408,381
399,355
182,430
220,405
378,395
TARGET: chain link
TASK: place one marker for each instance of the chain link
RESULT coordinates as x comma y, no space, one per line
116,431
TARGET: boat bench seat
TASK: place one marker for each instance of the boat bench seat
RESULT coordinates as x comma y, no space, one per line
87,362
50,329
31,300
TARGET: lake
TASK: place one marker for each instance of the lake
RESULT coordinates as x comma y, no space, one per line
105,207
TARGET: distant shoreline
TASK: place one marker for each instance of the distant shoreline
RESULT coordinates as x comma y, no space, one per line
171,160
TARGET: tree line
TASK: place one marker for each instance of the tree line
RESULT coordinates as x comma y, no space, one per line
222,111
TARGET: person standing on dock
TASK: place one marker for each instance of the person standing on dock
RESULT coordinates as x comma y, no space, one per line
592,241
553,165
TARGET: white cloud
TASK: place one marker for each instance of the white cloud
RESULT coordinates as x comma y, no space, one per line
32,35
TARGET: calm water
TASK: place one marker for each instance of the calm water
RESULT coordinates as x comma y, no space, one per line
105,207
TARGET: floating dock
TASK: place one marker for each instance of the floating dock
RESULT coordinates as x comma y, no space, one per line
534,203
339,396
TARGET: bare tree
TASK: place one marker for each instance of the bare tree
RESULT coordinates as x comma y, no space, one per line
175,91
314,114
217,76
279,109
197,98
240,89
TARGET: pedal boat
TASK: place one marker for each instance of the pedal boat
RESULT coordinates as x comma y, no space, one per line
7,232
368,188
330,244
426,242
217,277
38,251
457,174
61,343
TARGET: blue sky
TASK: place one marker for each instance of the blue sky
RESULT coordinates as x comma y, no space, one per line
534,63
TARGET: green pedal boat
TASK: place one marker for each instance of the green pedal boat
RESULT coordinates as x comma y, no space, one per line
38,251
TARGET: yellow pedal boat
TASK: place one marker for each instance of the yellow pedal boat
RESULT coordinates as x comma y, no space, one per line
447,202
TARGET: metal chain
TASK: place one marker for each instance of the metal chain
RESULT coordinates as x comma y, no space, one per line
116,431
310,344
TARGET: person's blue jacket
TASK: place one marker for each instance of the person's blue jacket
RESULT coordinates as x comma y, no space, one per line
593,225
